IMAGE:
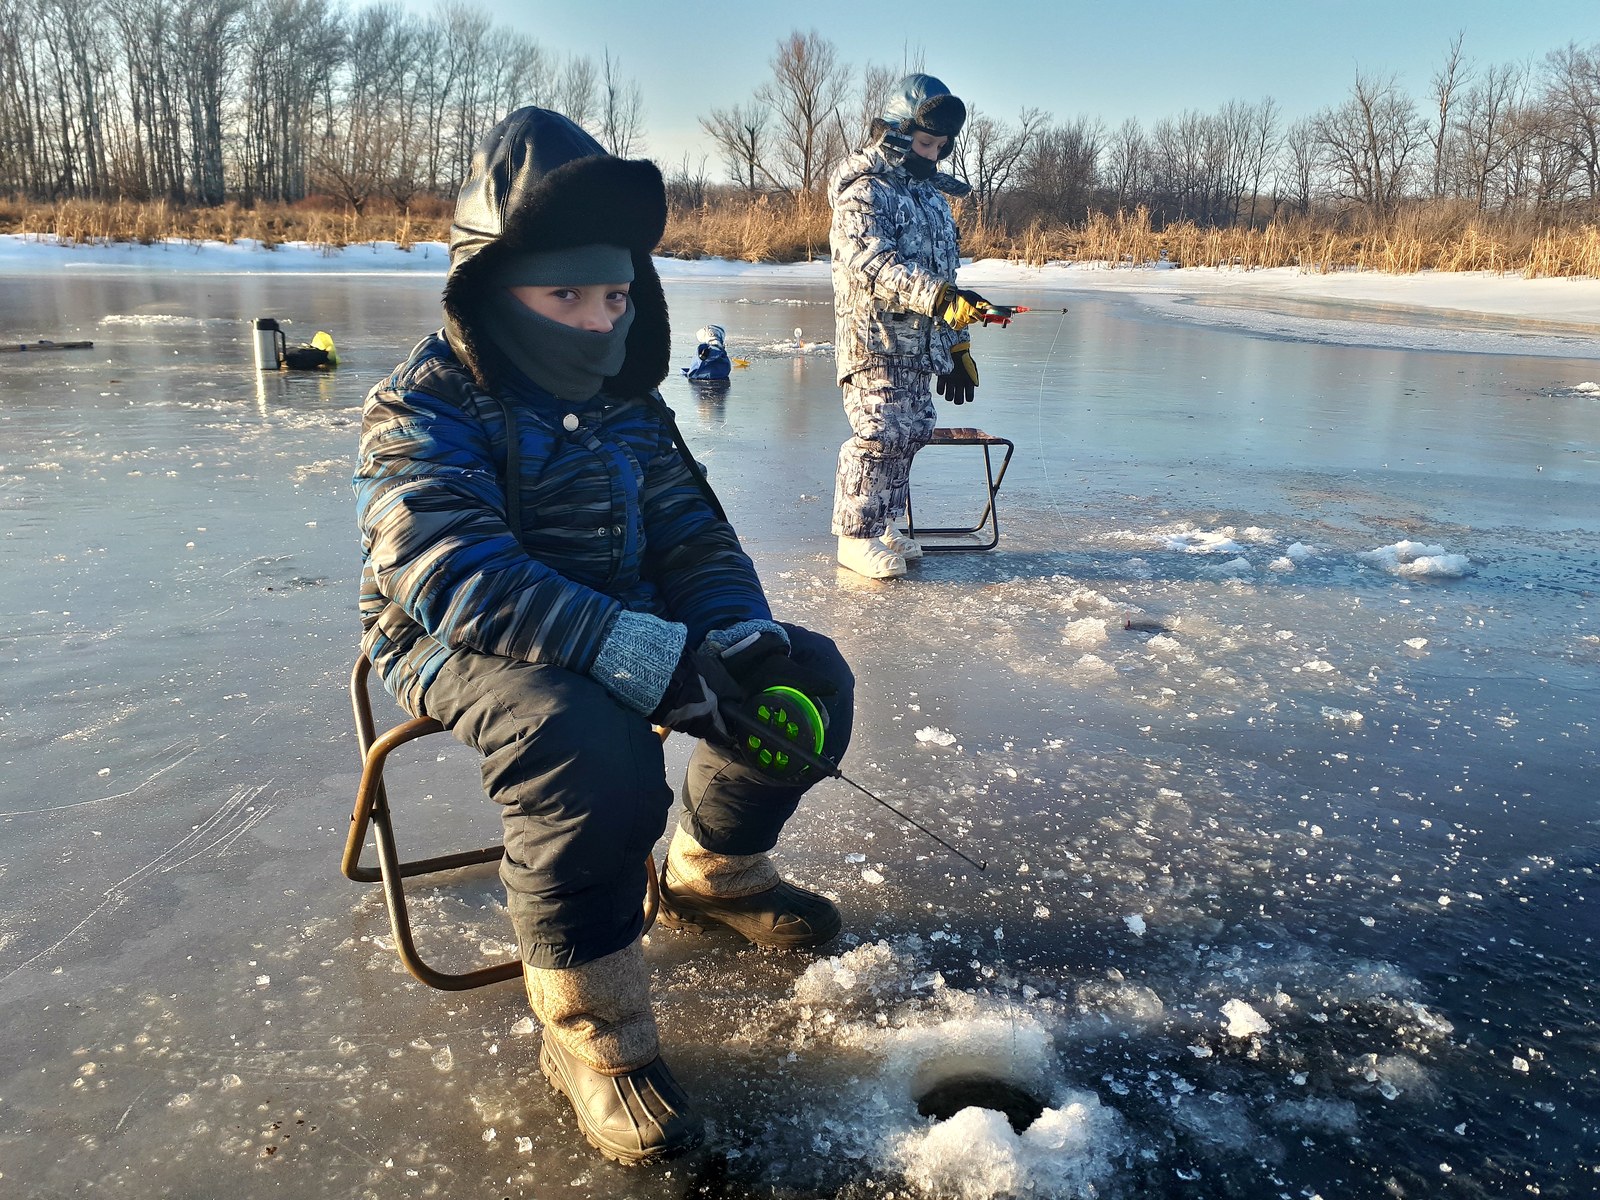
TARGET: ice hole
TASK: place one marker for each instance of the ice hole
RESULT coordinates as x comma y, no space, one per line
949,1094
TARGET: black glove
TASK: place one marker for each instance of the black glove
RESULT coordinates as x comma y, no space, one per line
762,661
752,712
689,705
960,382
958,307
709,682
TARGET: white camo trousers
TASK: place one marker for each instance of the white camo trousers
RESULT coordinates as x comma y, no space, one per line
891,413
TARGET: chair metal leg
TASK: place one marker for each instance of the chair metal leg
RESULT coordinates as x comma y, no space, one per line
372,812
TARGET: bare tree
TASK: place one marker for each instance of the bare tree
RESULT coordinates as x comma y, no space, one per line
576,91
988,153
1262,141
211,33
687,184
1060,169
1488,134
1302,154
621,111
1185,163
740,136
807,87
1446,83
1572,95
1369,142
468,48
1126,164
357,152
877,85
72,33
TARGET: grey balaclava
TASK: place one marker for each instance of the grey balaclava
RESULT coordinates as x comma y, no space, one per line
569,363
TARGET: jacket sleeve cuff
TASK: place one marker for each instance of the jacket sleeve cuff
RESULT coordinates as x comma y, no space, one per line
637,658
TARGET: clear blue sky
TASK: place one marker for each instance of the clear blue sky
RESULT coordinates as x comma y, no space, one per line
1112,58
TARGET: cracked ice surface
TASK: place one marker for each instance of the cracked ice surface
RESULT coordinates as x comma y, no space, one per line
1291,847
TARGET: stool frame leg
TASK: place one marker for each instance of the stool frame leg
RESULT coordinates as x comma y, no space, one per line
372,812
991,516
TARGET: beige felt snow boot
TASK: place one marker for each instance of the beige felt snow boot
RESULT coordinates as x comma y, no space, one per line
743,892
870,557
600,1050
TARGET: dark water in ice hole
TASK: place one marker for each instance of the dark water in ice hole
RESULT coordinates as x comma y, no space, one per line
1180,816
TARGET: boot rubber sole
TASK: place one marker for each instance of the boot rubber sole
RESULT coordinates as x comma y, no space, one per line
620,1157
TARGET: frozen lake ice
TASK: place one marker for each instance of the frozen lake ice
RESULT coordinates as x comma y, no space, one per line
1273,715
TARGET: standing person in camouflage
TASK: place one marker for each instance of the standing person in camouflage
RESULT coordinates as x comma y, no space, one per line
899,315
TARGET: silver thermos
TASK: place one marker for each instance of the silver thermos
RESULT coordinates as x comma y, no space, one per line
271,345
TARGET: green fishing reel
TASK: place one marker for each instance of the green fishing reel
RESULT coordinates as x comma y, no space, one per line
792,716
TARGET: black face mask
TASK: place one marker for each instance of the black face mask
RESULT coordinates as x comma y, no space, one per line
918,167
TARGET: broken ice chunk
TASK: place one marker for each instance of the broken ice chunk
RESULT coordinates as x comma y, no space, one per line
1242,1021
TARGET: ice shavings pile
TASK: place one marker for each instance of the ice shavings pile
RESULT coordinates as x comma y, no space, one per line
1414,560
908,1031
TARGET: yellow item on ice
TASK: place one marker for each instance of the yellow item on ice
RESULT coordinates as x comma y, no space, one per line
324,341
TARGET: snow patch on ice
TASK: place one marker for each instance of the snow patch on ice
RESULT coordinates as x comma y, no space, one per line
1085,632
976,1156
1236,568
1343,716
936,736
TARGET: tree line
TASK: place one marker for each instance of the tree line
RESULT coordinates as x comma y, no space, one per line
203,101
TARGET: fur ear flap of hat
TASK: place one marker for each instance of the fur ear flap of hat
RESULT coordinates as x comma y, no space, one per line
539,182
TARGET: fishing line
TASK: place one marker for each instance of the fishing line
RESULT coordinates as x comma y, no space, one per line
1039,410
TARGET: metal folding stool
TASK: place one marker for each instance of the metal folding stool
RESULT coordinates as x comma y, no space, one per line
990,519
372,811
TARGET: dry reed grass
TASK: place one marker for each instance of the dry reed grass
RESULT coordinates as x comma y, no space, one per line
1439,237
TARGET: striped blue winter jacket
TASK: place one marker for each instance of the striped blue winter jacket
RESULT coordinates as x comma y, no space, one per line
610,519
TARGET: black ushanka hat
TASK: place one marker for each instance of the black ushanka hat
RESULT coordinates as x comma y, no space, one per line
538,182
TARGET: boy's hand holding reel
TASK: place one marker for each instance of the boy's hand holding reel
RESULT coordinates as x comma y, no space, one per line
752,698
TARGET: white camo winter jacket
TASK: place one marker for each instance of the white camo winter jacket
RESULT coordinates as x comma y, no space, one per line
894,246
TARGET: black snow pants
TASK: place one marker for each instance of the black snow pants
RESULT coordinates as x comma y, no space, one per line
581,781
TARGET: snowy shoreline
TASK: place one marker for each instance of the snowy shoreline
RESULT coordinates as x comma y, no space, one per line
1573,301
1466,312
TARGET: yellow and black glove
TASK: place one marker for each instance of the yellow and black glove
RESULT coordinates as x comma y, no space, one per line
961,380
959,307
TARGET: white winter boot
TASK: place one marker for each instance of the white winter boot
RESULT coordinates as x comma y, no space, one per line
870,557
898,543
